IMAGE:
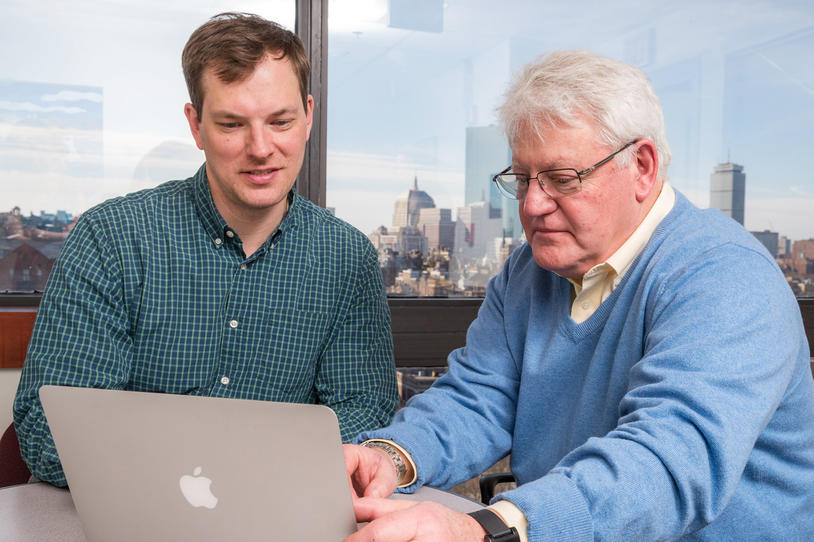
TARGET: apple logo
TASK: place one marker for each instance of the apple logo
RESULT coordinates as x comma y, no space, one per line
196,490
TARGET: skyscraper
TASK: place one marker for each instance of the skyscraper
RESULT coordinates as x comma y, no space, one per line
770,240
488,152
727,190
437,226
409,203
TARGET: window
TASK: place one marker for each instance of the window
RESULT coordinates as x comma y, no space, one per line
413,142
91,106
91,97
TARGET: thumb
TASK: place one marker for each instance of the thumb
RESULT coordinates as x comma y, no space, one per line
378,488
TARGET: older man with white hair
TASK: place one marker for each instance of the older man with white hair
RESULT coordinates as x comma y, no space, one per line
643,361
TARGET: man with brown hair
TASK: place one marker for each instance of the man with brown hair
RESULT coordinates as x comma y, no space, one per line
228,283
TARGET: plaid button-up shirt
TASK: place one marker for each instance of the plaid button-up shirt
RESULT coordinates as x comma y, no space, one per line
152,292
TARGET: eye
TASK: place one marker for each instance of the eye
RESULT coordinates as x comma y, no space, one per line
229,125
564,180
282,123
564,183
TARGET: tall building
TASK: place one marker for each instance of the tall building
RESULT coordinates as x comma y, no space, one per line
783,246
802,256
408,205
727,190
770,240
487,153
437,226
475,232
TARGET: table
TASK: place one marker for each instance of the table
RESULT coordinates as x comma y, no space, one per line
40,512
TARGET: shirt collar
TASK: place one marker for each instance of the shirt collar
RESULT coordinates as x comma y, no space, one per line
214,224
621,260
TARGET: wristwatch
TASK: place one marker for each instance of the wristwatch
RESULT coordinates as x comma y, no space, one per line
398,462
496,530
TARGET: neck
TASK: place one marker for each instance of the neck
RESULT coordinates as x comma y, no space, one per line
254,227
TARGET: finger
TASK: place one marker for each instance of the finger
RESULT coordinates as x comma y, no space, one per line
399,526
381,476
378,487
358,476
351,457
370,508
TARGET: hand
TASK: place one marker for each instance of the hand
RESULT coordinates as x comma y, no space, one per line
370,470
403,521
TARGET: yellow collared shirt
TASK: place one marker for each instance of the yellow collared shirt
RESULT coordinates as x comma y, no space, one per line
602,279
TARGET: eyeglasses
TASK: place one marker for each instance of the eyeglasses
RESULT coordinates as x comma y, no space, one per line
560,182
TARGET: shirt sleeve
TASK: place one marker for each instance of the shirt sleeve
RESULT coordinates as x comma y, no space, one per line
357,375
463,424
80,338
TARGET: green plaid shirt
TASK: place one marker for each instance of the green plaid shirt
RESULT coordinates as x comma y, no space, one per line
152,292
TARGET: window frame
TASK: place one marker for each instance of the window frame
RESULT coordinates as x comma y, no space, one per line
425,330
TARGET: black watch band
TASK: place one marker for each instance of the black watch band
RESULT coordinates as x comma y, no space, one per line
496,530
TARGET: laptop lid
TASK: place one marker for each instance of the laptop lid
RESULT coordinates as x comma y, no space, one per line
148,466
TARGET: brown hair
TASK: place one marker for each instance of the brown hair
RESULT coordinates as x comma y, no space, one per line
232,44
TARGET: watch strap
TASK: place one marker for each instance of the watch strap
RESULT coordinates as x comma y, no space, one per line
496,530
395,456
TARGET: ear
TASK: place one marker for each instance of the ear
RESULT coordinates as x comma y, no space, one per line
309,116
647,168
194,124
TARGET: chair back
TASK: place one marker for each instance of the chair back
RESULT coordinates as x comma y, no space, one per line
13,469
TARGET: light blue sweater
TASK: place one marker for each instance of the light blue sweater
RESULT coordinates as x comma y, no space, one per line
682,409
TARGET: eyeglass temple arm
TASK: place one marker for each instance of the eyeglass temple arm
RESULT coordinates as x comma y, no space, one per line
580,174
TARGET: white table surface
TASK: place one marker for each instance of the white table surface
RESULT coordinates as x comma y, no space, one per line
40,512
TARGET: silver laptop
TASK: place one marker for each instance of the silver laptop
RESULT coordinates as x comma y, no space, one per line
147,466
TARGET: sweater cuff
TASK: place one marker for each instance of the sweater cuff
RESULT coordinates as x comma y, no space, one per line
555,508
512,516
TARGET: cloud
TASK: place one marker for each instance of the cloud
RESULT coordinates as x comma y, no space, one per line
28,107
72,96
802,191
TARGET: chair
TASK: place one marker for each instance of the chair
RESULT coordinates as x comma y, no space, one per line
13,469
489,481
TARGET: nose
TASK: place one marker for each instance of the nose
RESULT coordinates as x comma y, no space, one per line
260,142
537,201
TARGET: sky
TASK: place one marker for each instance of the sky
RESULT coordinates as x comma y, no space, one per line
92,95
735,80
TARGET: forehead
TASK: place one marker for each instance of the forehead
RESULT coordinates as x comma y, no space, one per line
271,80
554,145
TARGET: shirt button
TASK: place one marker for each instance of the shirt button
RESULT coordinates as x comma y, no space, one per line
586,305
218,241
233,324
224,380
243,267
272,245
230,234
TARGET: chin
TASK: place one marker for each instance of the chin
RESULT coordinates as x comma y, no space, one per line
556,266
266,198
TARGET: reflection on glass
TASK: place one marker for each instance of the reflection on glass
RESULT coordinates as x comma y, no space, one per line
91,106
412,122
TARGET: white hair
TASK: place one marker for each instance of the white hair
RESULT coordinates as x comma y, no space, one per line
565,86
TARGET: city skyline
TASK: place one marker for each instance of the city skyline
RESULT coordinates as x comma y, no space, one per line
734,83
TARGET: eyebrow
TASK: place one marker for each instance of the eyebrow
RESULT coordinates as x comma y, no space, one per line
229,115
559,162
